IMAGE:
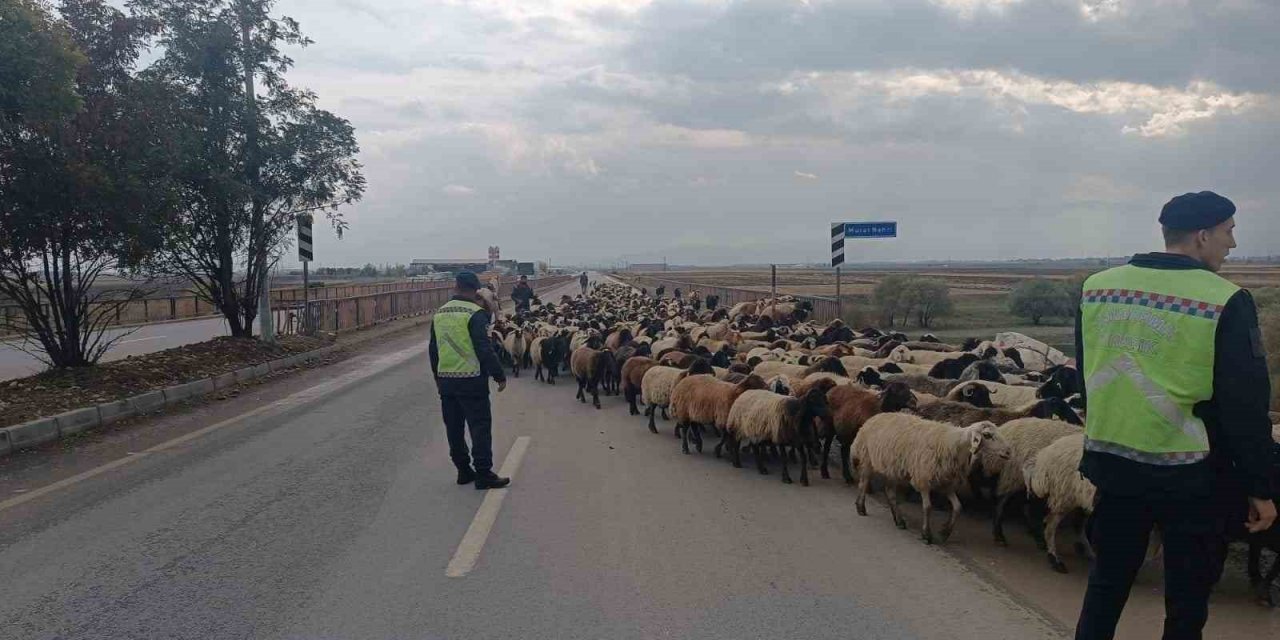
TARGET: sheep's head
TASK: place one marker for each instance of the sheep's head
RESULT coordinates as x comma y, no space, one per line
870,377
974,393
699,366
779,385
1056,409
752,382
900,353
896,397
985,442
890,367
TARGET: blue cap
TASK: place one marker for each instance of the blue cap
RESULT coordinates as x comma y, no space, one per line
467,280
1195,211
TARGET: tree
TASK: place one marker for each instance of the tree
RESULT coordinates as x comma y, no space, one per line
83,171
889,300
1037,298
368,271
254,161
928,298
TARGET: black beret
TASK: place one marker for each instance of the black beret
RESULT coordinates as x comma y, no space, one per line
1194,211
467,280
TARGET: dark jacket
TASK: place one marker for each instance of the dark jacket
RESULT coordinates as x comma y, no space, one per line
522,293
1236,417
490,367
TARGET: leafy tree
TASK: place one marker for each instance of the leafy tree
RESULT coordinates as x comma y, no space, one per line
889,299
928,298
84,164
368,271
1038,298
259,151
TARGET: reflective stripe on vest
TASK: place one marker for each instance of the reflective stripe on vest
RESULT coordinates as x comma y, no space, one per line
1149,341
451,326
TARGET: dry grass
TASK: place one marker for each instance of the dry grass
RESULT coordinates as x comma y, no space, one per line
1270,322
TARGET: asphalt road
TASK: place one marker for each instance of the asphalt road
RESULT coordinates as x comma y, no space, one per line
15,363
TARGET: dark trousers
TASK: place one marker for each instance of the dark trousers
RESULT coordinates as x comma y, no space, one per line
1192,532
461,412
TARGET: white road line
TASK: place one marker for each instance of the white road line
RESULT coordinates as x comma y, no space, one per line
464,559
305,396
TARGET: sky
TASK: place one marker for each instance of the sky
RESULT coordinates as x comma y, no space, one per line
711,132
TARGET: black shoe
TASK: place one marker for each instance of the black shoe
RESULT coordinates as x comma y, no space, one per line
491,481
466,476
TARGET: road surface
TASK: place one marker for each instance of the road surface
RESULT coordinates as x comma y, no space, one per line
330,512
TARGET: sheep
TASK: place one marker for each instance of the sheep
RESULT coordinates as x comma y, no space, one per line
977,406
589,366
1026,437
516,343
702,400
929,456
800,386
548,353
1053,475
656,386
953,367
851,407
761,418
1004,395
633,371
932,386
981,370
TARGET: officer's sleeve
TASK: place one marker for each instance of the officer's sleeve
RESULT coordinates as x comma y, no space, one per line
478,327
434,354
1084,395
1241,395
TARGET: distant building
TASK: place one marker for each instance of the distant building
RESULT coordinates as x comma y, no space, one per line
420,266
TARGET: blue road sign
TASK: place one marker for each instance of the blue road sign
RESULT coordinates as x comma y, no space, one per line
871,229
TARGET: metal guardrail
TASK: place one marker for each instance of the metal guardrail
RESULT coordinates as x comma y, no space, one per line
336,315
824,309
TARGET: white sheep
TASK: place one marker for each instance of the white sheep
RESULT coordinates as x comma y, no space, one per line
904,449
655,391
761,418
1054,476
1004,395
1026,438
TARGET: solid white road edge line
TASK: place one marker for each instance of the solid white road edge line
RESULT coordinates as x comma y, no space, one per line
142,339
464,559
305,396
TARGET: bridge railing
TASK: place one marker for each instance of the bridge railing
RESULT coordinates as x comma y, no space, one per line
824,309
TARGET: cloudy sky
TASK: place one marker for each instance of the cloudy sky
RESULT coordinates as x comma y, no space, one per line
713,132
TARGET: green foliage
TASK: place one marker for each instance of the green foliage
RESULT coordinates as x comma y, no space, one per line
1038,298
903,297
368,271
258,152
1270,323
84,183
1267,298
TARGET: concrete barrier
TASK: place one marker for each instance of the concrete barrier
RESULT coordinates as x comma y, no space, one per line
109,412
259,371
226,380
77,421
145,402
188,390
30,434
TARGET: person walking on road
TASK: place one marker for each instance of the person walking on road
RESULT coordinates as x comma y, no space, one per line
582,280
1177,434
462,361
522,294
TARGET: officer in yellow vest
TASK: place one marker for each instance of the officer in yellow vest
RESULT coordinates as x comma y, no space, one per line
1177,434
463,360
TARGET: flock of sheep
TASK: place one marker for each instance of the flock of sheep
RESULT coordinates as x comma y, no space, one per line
972,420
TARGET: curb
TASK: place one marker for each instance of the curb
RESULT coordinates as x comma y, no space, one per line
42,430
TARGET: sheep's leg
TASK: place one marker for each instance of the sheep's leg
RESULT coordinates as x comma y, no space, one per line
864,483
845,461
997,520
951,519
649,412
537,371
595,396
1051,539
826,456
724,439
926,503
684,440
631,402
804,465
664,414
581,388
786,474
892,496
697,436
1035,517
1082,539
814,451
759,450
735,449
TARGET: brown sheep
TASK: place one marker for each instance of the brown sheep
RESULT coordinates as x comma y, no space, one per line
632,374
851,407
588,367
702,400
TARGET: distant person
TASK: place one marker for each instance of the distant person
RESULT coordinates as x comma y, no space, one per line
644,291
695,299
462,361
582,280
1177,436
522,294
713,301
676,294
659,291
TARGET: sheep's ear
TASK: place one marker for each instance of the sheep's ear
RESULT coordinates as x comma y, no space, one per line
975,441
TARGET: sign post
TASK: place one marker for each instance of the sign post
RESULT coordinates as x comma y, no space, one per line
305,254
840,231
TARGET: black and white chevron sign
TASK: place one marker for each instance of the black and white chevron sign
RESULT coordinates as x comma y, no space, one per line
304,238
837,244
